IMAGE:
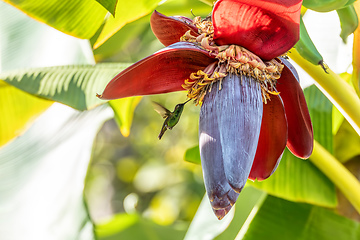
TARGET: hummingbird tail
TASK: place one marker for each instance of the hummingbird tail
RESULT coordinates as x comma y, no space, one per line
161,133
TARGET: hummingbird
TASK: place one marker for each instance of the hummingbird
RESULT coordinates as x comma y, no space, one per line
171,118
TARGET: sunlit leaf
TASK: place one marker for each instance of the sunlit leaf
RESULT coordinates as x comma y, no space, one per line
124,111
244,207
122,41
18,111
206,226
42,176
278,219
346,143
126,12
320,109
345,207
25,42
109,5
209,2
299,180
348,21
135,40
79,18
74,85
133,226
187,8
117,224
193,155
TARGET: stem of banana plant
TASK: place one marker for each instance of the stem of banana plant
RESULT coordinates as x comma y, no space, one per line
336,89
337,173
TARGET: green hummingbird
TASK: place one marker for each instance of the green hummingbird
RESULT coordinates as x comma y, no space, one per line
171,118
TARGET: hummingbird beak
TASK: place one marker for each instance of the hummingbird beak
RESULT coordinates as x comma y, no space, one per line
187,101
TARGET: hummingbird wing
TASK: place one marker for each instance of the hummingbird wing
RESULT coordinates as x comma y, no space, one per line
161,110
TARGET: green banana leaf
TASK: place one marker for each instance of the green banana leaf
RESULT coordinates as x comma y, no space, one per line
26,43
113,30
326,5
120,48
80,18
124,111
133,226
348,21
278,219
187,8
346,143
300,181
206,226
109,5
320,109
18,111
243,209
42,176
209,2
126,12
193,155
75,86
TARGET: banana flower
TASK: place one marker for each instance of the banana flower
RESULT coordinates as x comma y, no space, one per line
233,65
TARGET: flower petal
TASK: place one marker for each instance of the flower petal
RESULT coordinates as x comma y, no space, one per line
161,72
240,108
272,140
220,213
221,195
169,30
300,131
267,28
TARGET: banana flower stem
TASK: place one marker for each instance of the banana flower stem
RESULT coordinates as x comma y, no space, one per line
337,173
336,89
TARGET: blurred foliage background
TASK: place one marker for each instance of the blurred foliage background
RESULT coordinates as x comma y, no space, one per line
139,173
142,174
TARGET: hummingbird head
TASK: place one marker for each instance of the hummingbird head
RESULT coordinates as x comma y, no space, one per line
181,105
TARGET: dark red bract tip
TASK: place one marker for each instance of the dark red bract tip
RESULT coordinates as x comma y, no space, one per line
169,30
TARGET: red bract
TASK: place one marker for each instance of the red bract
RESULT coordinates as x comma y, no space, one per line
161,72
245,126
268,28
170,29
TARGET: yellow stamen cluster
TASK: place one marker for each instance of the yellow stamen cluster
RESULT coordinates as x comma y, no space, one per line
201,82
232,59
